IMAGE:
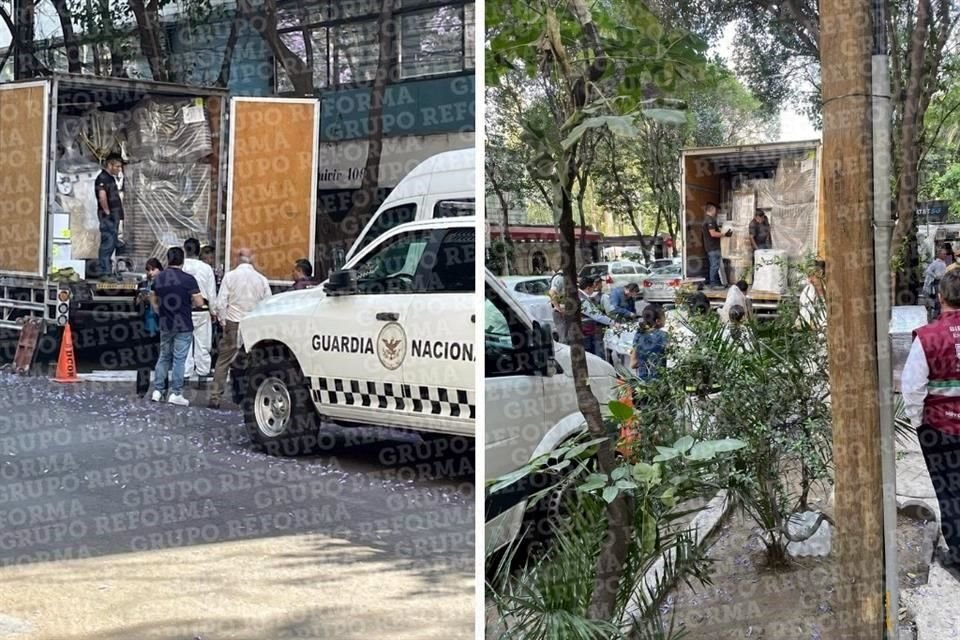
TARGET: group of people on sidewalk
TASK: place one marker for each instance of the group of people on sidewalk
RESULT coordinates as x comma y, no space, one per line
944,262
651,332
185,303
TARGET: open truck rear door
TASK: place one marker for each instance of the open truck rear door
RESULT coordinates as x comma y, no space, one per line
272,182
24,142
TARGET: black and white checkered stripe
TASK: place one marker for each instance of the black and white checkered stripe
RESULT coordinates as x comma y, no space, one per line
388,396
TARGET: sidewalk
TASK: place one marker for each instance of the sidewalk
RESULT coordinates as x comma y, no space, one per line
931,605
304,586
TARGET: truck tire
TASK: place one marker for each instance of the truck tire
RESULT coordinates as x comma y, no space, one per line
277,408
543,519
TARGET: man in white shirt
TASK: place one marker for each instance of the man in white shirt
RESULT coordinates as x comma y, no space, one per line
241,290
198,359
735,298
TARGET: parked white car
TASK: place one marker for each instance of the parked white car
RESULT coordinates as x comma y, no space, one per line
615,274
532,294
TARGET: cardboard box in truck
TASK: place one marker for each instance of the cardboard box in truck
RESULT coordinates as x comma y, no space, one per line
230,172
784,178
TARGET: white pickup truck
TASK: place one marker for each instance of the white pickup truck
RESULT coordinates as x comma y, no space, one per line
389,340
530,405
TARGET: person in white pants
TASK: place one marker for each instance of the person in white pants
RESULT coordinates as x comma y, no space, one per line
198,359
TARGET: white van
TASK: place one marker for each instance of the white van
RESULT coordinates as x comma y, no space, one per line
442,186
531,403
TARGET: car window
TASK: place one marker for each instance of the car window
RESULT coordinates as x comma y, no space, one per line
455,208
594,270
621,269
452,267
392,267
496,328
534,287
386,220
506,339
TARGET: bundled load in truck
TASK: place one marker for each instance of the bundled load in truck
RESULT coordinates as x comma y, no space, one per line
167,204
168,194
793,217
169,130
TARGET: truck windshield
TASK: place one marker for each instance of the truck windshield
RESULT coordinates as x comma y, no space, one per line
384,221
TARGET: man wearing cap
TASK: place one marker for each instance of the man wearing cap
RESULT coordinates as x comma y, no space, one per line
760,231
930,385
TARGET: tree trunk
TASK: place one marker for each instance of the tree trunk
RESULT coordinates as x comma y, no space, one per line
613,552
265,23
619,513
26,64
504,212
223,79
70,42
364,199
911,124
148,30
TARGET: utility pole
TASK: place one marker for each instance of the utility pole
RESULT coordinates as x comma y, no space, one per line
846,40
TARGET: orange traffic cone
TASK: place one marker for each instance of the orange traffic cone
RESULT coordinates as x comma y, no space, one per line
66,363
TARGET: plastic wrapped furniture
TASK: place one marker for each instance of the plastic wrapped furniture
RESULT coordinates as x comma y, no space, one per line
169,130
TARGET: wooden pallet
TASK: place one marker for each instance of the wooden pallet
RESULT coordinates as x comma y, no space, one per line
27,345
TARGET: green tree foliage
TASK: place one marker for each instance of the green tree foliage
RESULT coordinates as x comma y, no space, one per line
598,67
940,166
638,178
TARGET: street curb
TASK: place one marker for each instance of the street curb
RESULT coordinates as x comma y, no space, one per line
704,523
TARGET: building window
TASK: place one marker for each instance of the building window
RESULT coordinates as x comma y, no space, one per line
355,52
311,52
343,43
431,42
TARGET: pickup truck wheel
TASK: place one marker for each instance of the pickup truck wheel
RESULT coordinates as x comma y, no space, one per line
543,519
277,408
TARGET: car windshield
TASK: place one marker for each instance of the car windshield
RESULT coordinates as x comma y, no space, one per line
534,287
669,270
594,270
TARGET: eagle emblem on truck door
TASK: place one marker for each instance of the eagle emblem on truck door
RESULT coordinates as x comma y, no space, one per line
392,345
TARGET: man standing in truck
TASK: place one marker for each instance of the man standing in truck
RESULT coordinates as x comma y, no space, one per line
109,210
760,231
711,244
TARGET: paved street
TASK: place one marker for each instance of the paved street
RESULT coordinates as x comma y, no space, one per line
121,518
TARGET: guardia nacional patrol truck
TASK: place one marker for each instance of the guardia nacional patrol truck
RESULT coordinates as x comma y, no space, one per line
388,340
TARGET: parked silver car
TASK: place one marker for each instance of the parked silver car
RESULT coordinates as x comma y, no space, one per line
660,287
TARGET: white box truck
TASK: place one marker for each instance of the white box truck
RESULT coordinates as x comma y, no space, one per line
783,178
229,171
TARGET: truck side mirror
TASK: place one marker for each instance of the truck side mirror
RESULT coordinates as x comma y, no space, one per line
341,283
541,348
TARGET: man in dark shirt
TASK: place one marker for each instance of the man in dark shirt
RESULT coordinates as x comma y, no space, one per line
175,293
760,231
302,274
711,243
109,210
